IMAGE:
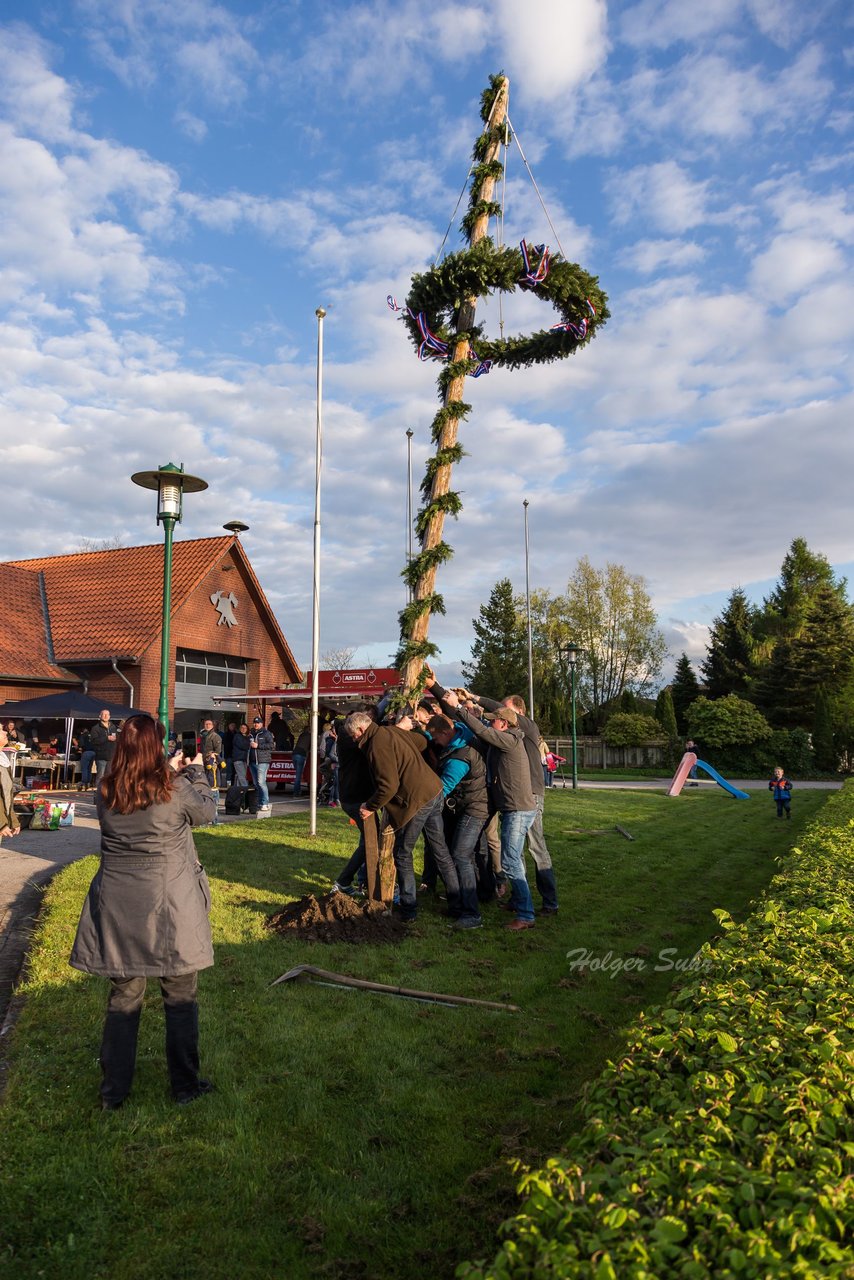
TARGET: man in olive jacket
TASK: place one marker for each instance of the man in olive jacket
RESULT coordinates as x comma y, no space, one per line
412,796
511,794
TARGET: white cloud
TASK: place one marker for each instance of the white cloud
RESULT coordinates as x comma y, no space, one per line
649,256
550,47
662,194
794,264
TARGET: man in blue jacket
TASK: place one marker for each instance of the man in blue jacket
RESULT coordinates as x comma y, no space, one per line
261,744
462,769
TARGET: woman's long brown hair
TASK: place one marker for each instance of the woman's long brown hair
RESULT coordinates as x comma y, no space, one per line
139,775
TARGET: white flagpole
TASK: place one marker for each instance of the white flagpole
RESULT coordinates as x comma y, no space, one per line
315,624
528,613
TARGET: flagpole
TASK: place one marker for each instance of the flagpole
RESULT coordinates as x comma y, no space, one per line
528,616
315,621
409,435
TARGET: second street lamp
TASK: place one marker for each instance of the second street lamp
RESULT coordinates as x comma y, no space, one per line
570,653
170,482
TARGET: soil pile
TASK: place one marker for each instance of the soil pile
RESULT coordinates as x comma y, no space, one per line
336,917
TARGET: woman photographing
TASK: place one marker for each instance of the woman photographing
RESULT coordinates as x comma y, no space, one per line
146,913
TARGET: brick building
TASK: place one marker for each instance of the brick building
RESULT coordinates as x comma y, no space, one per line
93,620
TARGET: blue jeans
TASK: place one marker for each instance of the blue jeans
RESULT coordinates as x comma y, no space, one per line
87,759
514,828
299,765
464,844
259,777
429,820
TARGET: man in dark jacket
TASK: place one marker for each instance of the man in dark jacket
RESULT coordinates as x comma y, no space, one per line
302,750
412,797
537,846
510,793
211,752
240,754
261,744
355,784
462,770
102,740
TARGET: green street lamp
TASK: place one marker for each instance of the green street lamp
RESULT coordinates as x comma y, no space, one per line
570,653
170,482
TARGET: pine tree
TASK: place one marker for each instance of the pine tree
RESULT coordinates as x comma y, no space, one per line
801,574
499,655
823,737
684,689
728,665
665,712
818,654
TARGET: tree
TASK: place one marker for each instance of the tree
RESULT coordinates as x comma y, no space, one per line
608,612
665,713
801,574
499,655
728,665
819,655
632,729
727,722
823,736
684,689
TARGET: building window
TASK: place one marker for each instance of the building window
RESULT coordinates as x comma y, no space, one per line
214,670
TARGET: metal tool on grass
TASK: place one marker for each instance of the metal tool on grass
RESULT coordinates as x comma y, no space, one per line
325,977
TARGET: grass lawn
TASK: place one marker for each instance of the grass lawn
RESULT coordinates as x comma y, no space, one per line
354,1135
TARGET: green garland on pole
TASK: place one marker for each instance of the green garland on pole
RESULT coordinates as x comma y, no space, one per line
436,297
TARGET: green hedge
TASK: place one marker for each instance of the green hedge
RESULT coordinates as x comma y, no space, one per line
722,1144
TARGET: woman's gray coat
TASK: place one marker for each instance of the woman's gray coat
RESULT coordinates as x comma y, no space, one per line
146,913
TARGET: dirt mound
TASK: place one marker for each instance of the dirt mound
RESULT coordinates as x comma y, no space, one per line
336,917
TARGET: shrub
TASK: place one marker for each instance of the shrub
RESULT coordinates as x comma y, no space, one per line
726,722
631,729
723,1141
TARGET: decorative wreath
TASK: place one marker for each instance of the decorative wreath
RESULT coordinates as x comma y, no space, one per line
434,301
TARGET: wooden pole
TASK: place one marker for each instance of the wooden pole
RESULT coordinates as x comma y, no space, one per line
432,534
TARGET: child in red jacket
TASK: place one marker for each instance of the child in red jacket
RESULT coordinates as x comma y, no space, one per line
782,789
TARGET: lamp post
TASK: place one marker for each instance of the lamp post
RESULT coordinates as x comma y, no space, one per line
570,654
170,482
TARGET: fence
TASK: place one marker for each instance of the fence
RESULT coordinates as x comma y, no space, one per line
594,753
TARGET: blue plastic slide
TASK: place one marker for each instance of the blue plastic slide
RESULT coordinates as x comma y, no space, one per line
722,782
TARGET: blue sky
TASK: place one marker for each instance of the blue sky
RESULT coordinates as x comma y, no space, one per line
182,183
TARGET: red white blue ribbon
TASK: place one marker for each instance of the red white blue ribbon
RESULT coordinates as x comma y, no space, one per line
433,348
579,330
532,276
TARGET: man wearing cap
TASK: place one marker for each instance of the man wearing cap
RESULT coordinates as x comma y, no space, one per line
411,794
537,846
261,744
511,793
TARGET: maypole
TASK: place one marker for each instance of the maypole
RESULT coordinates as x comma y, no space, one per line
437,486
440,316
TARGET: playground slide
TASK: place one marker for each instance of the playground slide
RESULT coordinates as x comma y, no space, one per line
722,782
686,764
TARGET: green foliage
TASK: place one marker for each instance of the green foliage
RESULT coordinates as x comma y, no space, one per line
684,689
726,722
728,665
632,729
665,713
722,1142
789,748
823,737
499,656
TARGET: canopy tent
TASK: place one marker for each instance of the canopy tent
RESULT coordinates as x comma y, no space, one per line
69,706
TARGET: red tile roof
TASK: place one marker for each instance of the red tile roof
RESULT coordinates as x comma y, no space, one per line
24,649
107,604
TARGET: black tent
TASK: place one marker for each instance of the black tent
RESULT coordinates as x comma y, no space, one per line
73,705
70,706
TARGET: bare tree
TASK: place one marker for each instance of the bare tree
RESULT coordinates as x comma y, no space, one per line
337,659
